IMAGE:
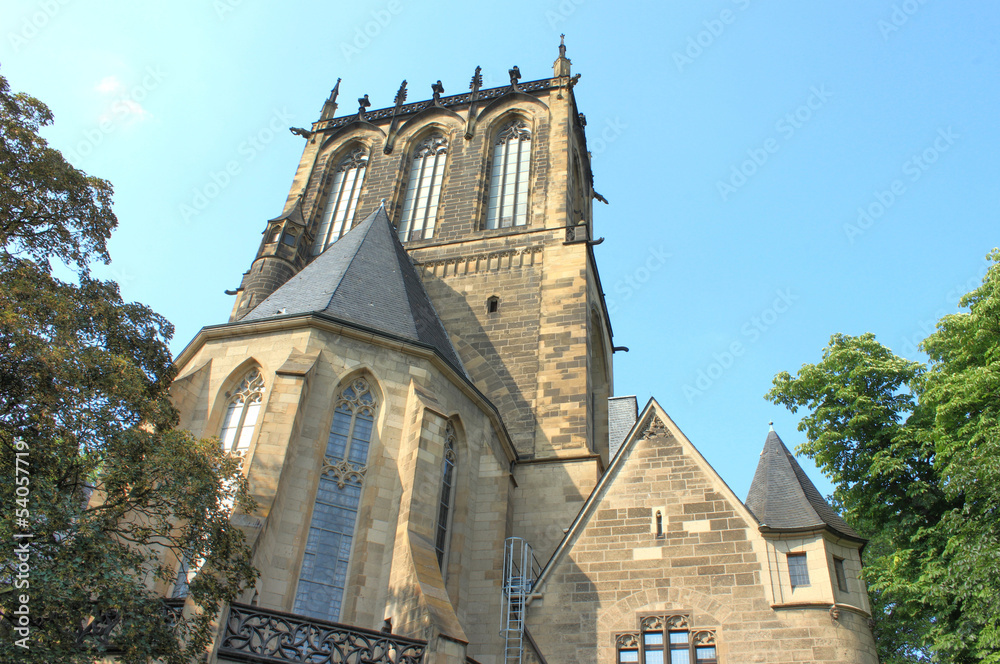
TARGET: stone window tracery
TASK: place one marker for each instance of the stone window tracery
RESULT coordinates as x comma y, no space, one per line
242,413
342,199
508,202
423,190
666,639
326,560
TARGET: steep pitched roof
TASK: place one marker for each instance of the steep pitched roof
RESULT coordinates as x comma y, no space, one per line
784,499
365,278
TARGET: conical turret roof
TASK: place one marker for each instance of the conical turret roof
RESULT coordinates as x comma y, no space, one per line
784,499
367,279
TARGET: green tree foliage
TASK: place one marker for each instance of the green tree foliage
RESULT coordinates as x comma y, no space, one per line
94,479
914,452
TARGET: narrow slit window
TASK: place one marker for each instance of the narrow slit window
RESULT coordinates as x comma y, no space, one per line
447,497
838,568
492,305
659,525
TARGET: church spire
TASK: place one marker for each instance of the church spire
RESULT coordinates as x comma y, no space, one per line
330,105
561,66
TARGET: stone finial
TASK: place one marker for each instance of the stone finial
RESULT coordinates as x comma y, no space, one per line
561,67
474,85
400,94
436,90
515,76
363,103
330,105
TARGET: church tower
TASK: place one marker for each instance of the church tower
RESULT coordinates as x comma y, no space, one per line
491,194
417,379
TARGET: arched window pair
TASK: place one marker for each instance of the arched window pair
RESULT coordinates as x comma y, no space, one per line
508,199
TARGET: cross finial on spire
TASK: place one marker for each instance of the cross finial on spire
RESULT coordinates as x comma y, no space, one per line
771,424
562,46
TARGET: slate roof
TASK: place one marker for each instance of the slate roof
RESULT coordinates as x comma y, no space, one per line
622,412
784,499
365,278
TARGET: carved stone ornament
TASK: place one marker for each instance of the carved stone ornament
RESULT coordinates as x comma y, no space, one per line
344,471
678,622
627,641
358,158
433,144
516,130
655,428
705,637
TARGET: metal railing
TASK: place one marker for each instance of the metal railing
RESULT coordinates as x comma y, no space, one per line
259,635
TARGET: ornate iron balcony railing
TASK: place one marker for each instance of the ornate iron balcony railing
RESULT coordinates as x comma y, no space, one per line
258,635
102,631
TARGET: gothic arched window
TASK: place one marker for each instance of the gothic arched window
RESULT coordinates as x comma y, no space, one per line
342,199
327,555
447,495
241,414
423,190
508,204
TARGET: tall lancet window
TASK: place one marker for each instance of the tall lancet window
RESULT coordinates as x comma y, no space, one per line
423,191
447,496
241,414
327,556
342,199
508,205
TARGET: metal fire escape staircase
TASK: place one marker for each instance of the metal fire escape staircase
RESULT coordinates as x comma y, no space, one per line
520,571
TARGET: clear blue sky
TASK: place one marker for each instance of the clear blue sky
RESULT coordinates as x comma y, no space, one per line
736,141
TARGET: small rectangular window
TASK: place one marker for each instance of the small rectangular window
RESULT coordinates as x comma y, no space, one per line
838,568
628,656
798,572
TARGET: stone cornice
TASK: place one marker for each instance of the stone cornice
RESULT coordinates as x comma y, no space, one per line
386,114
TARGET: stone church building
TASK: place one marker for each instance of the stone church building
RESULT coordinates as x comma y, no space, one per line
417,375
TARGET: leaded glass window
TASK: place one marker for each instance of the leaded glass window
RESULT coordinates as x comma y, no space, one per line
447,496
423,191
798,571
666,639
241,414
508,204
327,555
342,199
